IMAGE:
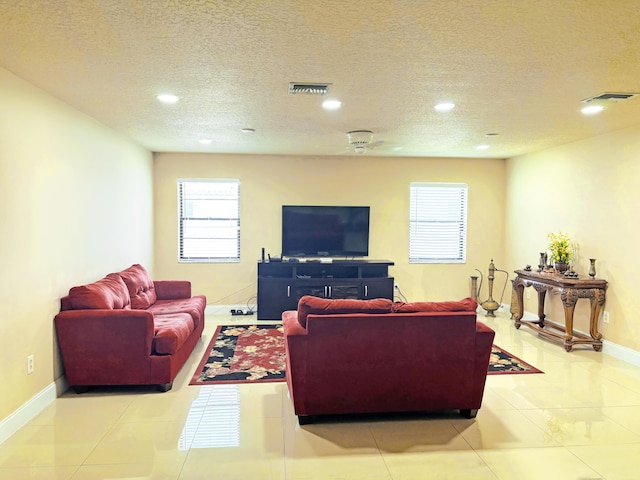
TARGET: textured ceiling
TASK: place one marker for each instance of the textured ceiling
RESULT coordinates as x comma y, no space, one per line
516,68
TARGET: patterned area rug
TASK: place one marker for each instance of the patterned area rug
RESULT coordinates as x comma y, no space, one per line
243,354
502,361
255,354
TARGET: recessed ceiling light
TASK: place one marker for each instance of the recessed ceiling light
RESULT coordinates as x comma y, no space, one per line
331,104
248,130
445,106
492,134
205,141
167,98
591,109
482,147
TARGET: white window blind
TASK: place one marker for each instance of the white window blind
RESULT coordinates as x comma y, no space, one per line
438,223
209,223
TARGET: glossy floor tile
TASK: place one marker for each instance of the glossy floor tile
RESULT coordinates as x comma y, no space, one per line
580,420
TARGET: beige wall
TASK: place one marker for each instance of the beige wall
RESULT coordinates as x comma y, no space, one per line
268,182
588,189
75,204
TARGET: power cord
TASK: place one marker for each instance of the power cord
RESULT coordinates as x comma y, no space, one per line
251,308
221,300
249,311
400,295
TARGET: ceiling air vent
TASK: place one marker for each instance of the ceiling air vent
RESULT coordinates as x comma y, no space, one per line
308,88
610,97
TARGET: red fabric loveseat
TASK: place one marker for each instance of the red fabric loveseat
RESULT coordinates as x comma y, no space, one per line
374,356
126,329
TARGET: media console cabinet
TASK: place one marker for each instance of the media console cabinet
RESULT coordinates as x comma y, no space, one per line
281,284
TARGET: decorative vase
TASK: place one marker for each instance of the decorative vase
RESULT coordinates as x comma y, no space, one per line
542,263
592,267
474,288
561,267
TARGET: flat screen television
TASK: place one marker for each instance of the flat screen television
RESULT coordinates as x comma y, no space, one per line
325,231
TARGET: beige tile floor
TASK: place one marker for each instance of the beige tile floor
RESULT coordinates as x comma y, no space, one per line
578,421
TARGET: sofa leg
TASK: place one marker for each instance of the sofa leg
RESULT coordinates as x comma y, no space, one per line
165,387
80,389
305,419
469,413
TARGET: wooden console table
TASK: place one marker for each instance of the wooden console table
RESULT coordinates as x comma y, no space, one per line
570,290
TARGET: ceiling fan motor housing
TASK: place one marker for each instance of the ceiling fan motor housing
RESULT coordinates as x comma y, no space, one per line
360,138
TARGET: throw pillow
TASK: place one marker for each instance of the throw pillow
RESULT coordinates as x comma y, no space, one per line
140,285
326,306
108,293
465,305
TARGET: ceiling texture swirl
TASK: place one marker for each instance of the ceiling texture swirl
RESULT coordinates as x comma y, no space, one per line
518,72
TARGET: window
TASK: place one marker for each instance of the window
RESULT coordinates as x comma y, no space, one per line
209,223
438,223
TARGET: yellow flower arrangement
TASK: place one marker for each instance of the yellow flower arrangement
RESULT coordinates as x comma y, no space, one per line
559,245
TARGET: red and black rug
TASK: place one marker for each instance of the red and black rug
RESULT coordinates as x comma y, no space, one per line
243,354
255,354
502,361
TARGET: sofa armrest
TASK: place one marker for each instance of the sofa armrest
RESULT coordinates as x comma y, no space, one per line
104,333
484,331
296,354
484,342
291,324
172,289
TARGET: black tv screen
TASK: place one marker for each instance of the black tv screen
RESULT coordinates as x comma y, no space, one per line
325,231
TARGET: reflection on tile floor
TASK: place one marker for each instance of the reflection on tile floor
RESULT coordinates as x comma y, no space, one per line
580,420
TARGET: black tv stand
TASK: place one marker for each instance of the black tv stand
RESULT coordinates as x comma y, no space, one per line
281,284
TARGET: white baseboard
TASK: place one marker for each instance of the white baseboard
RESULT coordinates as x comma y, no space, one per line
621,353
613,349
27,411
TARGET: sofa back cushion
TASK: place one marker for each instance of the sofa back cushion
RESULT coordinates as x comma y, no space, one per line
325,306
465,305
108,293
140,286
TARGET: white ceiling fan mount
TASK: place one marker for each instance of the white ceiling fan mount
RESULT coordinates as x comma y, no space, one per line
360,140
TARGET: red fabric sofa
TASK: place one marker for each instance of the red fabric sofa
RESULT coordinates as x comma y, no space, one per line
367,356
127,329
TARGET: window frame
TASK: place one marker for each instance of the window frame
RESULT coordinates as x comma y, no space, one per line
211,255
449,214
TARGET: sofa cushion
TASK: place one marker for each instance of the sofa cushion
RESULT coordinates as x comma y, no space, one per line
465,305
108,293
171,331
195,306
140,285
325,306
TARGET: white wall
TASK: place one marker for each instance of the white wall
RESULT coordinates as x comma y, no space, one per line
75,204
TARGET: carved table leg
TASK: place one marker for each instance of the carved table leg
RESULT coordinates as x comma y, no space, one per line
569,299
541,296
514,300
597,301
519,288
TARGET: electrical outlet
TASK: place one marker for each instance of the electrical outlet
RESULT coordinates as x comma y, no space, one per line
605,317
528,293
30,364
